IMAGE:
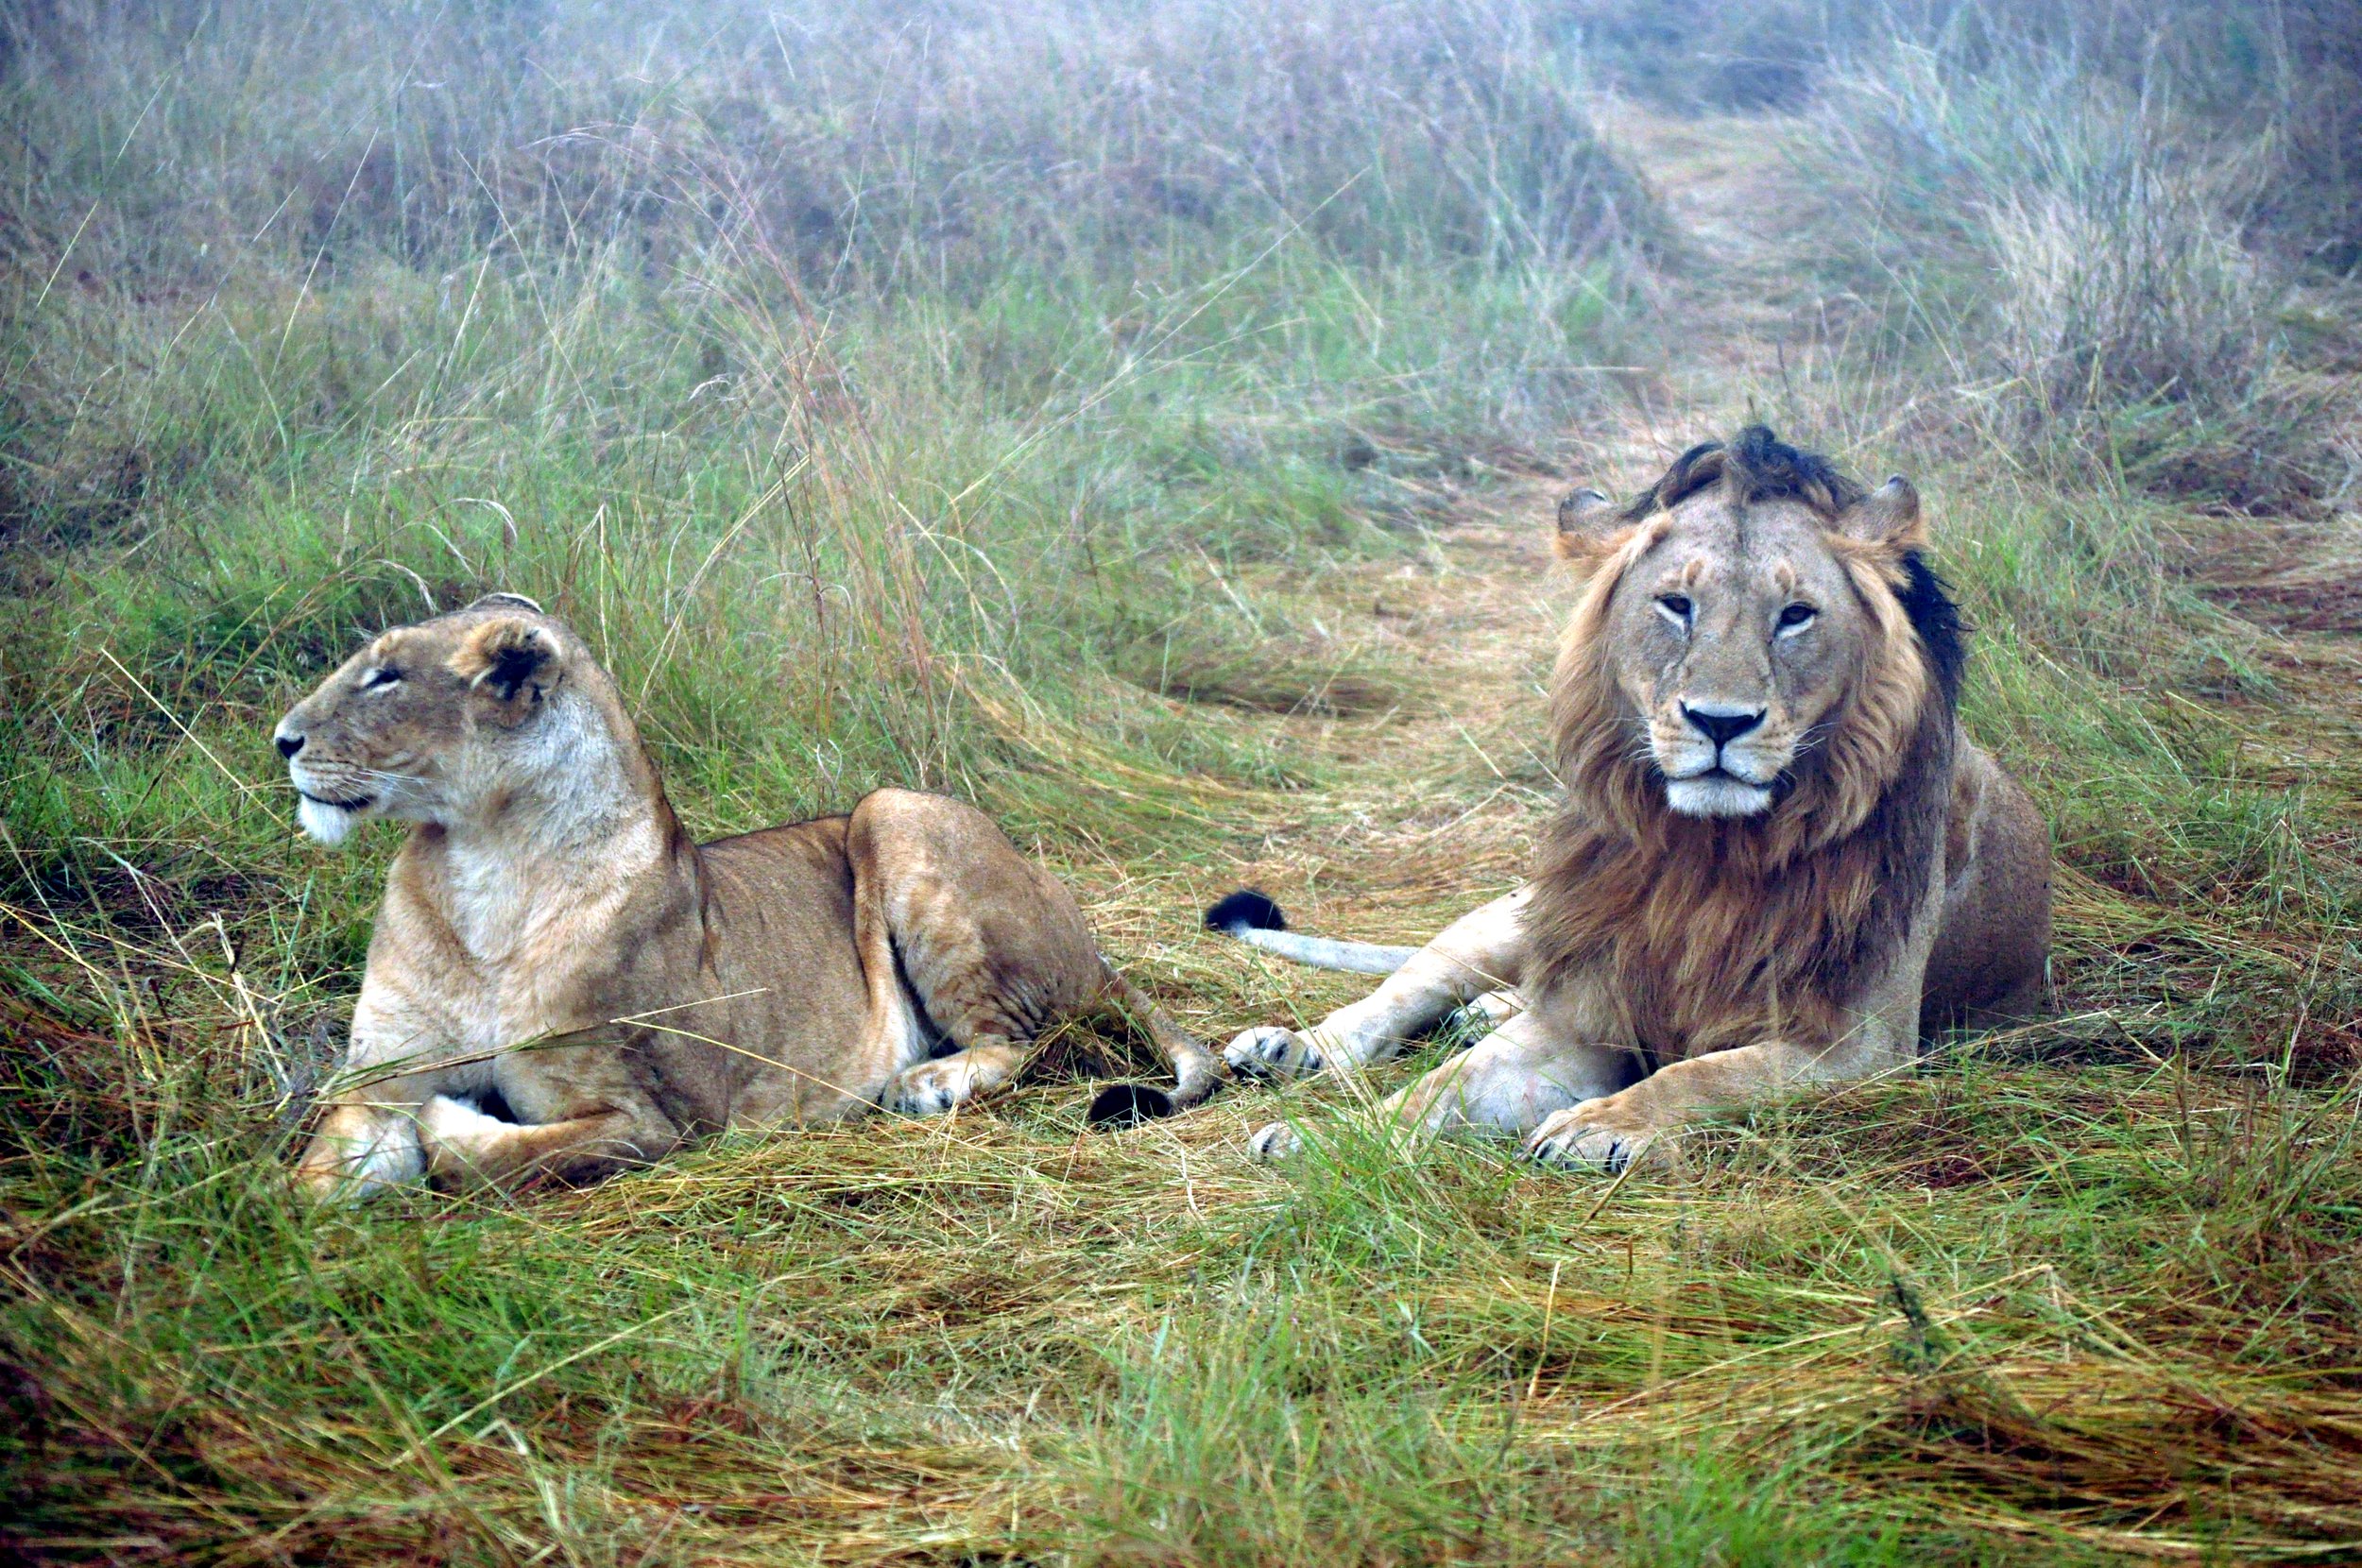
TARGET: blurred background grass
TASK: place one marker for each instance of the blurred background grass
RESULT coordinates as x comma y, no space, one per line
1139,419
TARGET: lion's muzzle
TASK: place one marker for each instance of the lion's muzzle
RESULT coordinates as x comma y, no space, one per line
1719,761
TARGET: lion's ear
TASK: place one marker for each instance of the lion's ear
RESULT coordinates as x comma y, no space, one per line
1587,521
512,658
1888,516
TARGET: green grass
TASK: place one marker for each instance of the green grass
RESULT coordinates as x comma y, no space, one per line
1139,420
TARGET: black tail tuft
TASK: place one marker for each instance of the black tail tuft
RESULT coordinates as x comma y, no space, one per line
1246,911
1122,1105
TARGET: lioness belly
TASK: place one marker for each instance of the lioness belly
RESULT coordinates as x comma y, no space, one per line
779,1022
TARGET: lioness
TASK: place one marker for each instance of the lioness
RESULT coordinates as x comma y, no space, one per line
1778,858
561,981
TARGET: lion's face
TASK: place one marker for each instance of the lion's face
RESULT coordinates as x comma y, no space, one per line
428,721
1731,644
1734,636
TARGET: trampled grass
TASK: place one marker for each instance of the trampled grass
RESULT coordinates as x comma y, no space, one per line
1139,420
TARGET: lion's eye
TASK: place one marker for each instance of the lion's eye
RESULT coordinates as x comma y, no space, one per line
1675,605
1796,615
384,674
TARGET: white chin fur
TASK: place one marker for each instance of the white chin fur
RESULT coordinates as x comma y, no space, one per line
1719,796
330,825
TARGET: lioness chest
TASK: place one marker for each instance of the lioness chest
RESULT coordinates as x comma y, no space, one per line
483,963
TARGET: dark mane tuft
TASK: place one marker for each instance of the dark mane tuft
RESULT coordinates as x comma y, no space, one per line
1927,600
1758,466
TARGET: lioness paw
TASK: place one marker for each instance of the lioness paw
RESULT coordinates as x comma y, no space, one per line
1269,1052
1275,1141
1581,1137
361,1153
931,1088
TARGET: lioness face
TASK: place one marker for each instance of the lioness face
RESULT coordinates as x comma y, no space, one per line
1736,635
422,723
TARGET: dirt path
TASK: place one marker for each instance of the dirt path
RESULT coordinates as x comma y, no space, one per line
1438,801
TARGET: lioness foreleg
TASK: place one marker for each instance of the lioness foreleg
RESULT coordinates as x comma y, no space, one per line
1483,951
930,1088
1507,1082
582,1114
465,1148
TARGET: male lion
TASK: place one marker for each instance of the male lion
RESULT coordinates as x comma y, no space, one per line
562,982
1778,858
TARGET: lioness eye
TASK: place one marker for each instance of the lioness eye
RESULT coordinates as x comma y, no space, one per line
384,674
1795,616
1675,605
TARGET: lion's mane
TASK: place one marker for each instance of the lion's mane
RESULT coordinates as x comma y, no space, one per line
1715,932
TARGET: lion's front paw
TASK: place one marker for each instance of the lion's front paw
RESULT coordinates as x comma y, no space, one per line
931,1088
1275,1141
1585,1137
1269,1052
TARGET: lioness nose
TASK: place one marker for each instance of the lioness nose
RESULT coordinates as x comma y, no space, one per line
1723,726
288,745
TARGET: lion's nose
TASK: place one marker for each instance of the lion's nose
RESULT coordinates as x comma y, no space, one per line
288,745
1722,725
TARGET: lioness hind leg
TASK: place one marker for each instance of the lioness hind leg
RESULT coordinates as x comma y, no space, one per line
1989,966
995,949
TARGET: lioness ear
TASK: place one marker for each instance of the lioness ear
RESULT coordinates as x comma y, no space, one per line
514,659
1888,516
1586,520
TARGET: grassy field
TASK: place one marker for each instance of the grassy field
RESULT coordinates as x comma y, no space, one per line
1143,419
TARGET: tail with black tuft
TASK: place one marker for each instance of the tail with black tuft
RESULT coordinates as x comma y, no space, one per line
1252,917
1196,1071
1245,907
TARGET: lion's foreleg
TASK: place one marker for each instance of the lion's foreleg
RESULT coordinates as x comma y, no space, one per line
1481,952
1507,1082
1635,1122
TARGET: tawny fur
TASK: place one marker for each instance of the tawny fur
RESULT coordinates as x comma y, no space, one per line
1890,881
552,943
